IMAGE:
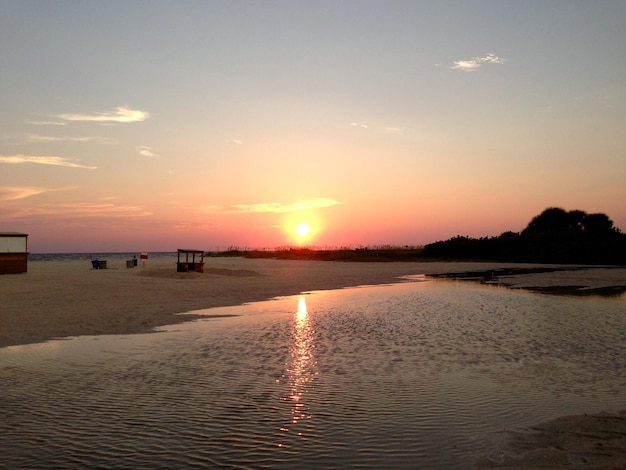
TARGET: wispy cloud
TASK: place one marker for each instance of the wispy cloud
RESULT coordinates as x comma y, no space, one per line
42,160
12,193
105,209
276,207
390,130
146,151
473,64
121,114
71,213
36,138
359,124
46,123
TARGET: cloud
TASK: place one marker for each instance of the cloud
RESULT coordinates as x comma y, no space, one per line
35,138
475,63
467,65
389,130
45,123
121,114
90,209
237,141
146,151
76,212
12,193
273,207
46,138
42,160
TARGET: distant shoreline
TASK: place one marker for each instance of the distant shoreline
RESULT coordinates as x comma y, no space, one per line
563,280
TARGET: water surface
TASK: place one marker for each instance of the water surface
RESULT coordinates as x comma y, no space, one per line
411,375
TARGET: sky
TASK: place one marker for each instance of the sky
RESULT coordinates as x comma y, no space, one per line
157,125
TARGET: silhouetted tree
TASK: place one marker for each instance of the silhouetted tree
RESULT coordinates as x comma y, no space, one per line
554,236
553,219
597,224
577,219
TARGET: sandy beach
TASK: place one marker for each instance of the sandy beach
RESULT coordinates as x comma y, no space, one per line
58,299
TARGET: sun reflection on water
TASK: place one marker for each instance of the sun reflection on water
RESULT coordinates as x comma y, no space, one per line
301,368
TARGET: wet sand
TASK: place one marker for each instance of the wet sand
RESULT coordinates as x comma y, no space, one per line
583,442
58,299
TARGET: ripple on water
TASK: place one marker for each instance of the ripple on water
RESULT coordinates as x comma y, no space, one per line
417,374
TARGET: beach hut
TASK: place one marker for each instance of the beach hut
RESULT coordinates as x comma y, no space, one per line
190,261
13,252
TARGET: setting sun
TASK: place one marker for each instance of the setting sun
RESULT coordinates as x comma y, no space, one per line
302,230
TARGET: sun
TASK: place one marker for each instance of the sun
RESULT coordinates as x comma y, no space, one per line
302,230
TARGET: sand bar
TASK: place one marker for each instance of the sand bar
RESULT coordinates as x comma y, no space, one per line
595,442
57,299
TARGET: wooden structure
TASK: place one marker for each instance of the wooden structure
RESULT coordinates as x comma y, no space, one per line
190,261
13,252
99,263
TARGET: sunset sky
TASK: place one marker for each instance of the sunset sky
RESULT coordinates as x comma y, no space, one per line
157,125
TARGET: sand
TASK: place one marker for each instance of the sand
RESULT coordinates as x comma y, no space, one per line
583,442
59,299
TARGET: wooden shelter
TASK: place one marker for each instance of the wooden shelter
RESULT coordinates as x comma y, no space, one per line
13,252
190,261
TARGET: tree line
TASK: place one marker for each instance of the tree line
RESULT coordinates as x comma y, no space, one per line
554,236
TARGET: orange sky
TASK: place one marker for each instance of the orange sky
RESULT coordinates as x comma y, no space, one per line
227,124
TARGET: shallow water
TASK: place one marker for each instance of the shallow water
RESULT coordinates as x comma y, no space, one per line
412,375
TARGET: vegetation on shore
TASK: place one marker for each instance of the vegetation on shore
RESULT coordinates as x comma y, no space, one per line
554,236
383,253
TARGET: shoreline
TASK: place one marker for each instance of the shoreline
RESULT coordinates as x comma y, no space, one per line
596,441
561,280
64,299
59,299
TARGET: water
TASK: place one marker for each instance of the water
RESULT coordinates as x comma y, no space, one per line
411,375
90,256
